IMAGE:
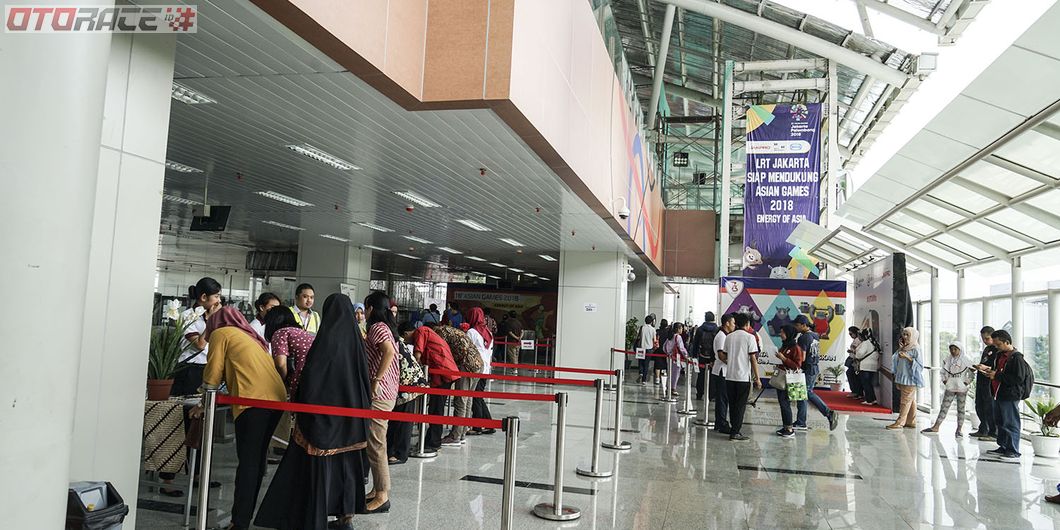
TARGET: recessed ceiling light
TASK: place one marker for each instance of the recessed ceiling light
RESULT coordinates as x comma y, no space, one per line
513,269
450,250
284,199
417,198
376,270
501,265
475,258
542,278
190,96
373,247
336,238
532,275
322,157
473,225
512,242
177,166
375,227
546,257
494,277
282,225
407,256
181,200
396,274
417,239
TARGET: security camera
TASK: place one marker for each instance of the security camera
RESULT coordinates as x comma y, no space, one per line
631,276
623,213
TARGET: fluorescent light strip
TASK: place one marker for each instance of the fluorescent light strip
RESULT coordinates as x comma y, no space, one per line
190,96
375,227
473,225
284,199
376,270
417,239
501,265
512,242
542,278
532,275
516,270
373,247
177,166
417,198
475,258
322,157
450,250
492,276
181,200
396,274
546,257
336,238
407,256
282,225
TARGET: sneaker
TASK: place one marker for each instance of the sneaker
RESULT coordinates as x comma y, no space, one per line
833,420
868,403
930,430
784,433
737,437
998,451
801,428
1010,456
724,430
987,438
976,434
450,441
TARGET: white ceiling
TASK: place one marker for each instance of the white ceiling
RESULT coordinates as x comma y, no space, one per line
1002,205
273,89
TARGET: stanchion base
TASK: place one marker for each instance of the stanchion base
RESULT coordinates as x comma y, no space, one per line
546,510
610,387
417,454
668,400
687,412
594,474
620,446
701,423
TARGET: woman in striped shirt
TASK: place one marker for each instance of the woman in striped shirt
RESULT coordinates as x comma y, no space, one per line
383,366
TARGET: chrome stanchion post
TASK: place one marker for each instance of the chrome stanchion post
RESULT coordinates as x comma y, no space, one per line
194,454
209,405
668,397
688,409
594,469
555,510
421,407
511,436
618,444
611,386
705,422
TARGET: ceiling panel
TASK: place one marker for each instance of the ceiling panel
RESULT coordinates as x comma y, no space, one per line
962,197
935,150
994,237
1026,224
928,248
1036,151
990,121
932,211
990,175
1041,37
910,172
1039,75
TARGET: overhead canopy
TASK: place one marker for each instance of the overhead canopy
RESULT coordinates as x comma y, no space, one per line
846,249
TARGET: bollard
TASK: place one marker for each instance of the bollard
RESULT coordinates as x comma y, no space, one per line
688,409
667,397
618,444
705,422
511,436
555,510
209,405
421,407
613,385
594,469
193,455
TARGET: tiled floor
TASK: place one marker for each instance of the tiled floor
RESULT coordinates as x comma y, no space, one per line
677,476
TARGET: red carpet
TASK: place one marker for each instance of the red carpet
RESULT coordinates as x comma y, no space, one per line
839,401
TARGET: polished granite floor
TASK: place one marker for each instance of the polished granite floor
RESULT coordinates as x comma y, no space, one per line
679,476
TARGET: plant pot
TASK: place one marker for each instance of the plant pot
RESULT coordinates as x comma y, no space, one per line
1045,446
158,389
836,387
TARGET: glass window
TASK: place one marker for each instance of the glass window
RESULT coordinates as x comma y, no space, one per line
973,322
947,326
1035,345
999,314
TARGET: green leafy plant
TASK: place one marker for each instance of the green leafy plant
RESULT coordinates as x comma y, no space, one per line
166,349
1037,411
632,332
836,371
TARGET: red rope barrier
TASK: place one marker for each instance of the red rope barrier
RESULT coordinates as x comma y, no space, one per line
502,377
547,368
537,344
224,399
627,352
517,396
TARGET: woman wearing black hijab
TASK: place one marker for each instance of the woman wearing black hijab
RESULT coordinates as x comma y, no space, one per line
322,472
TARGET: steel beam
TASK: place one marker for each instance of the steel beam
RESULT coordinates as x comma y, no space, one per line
781,65
865,23
1021,170
802,40
660,64
726,171
900,14
780,85
989,223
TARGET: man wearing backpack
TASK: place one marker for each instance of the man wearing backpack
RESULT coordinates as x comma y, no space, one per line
1011,382
702,348
809,342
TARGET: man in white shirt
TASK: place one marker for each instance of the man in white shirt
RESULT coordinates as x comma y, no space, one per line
264,303
741,363
303,308
647,343
717,376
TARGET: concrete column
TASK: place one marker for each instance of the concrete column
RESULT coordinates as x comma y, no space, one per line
655,296
960,314
1017,307
934,338
53,89
637,298
592,307
108,425
1054,342
325,263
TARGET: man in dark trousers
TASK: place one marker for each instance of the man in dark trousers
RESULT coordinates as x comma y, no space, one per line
703,348
984,399
810,343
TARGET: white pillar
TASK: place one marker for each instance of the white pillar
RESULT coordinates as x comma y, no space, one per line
637,298
961,330
726,172
52,87
591,315
834,163
934,338
1017,307
986,315
326,263
1054,342
655,296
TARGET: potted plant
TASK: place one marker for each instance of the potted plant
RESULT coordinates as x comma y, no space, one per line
837,372
164,352
1046,441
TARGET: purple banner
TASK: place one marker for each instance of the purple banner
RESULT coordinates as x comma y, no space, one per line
783,188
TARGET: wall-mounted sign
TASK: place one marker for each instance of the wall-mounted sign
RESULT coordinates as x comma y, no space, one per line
526,344
680,159
590,308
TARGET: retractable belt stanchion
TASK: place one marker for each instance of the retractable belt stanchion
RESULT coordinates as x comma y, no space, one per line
667,396
555,510
209,404
421,449
614,384
511,436
618,444
594,469
194,454
688,409
705,422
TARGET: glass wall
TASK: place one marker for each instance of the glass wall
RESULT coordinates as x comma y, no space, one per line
999,314
973,322
1035,345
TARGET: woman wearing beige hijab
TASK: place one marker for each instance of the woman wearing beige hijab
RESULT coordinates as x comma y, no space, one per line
908,365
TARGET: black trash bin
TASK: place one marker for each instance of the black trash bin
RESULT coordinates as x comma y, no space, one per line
94,506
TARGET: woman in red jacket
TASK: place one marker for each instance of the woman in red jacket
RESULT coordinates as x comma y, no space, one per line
791,357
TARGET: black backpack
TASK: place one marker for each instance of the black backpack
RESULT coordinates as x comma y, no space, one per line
1028,379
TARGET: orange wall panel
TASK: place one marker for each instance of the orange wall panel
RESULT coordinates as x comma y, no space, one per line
456,50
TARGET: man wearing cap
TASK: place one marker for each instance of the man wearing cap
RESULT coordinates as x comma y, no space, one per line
810,343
